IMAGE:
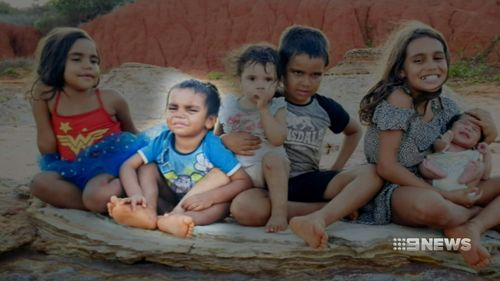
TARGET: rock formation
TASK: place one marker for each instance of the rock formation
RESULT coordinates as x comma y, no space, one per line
230,247
17,41
195,35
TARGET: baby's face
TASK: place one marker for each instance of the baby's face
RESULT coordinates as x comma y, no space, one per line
466,133
259,81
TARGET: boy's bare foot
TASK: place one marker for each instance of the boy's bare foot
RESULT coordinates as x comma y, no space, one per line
113,202
477,257
310,230
276,223
176,224
122,213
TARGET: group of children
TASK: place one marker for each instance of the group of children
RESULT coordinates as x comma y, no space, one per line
257,159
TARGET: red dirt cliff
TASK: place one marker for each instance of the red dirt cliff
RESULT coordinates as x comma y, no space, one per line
194,35
17,41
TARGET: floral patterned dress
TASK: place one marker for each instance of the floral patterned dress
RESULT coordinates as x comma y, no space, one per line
416,143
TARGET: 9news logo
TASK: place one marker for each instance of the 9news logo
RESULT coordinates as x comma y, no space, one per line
431,244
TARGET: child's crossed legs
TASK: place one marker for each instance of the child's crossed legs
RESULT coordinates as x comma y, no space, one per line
161,199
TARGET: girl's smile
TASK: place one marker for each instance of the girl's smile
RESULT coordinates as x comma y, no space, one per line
425,66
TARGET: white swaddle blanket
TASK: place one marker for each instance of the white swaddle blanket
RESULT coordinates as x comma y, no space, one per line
453,163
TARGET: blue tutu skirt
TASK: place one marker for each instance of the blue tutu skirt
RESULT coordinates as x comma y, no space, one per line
103,157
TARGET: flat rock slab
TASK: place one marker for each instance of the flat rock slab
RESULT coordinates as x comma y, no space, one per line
230,247
16,229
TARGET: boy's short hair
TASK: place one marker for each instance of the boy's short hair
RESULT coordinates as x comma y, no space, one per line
297,40
207,89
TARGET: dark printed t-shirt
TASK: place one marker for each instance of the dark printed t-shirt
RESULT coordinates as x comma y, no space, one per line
307,125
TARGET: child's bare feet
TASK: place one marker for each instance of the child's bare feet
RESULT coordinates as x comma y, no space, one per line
122,213
276,223
311,230
112,204
176,224
477,257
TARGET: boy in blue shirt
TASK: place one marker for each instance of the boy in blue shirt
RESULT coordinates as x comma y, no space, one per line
177,161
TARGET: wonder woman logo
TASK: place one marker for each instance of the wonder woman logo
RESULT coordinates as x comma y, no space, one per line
79,142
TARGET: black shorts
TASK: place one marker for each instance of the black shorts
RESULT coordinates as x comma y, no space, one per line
310,187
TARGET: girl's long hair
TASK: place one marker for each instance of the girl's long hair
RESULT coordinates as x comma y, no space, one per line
50,60
394,55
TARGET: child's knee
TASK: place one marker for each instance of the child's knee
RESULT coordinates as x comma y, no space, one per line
433,211
248,216
369,172
97,194
95,203
274,161
246,212
40,184
36,184
239,207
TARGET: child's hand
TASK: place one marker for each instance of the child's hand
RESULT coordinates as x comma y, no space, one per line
197,202
465,197
135,200
485,122
483,148
262,100
241,143
447,137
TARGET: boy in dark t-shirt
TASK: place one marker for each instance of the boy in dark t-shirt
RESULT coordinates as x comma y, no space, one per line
316,198
307,126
